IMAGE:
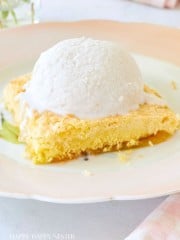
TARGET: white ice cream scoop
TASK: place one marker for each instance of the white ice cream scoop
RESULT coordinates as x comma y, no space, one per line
88,78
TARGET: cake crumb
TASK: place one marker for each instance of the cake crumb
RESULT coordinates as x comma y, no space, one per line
173,85
124,156
178,116
132,142
87,173
150,143
105,149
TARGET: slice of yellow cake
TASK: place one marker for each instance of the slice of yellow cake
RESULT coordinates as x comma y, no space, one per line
50,137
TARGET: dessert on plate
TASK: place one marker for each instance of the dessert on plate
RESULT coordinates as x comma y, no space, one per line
85,96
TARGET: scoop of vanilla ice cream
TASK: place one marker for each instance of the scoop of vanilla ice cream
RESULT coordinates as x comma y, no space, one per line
88,78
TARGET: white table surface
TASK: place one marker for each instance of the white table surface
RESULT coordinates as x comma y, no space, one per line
28,219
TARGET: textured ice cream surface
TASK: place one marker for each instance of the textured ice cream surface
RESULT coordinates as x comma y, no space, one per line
88,78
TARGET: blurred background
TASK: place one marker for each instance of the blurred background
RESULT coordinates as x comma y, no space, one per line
119,10
19,12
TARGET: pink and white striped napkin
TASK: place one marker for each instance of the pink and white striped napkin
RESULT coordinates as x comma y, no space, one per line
160,3
162,224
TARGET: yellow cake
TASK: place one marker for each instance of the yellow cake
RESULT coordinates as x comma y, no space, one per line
50,137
